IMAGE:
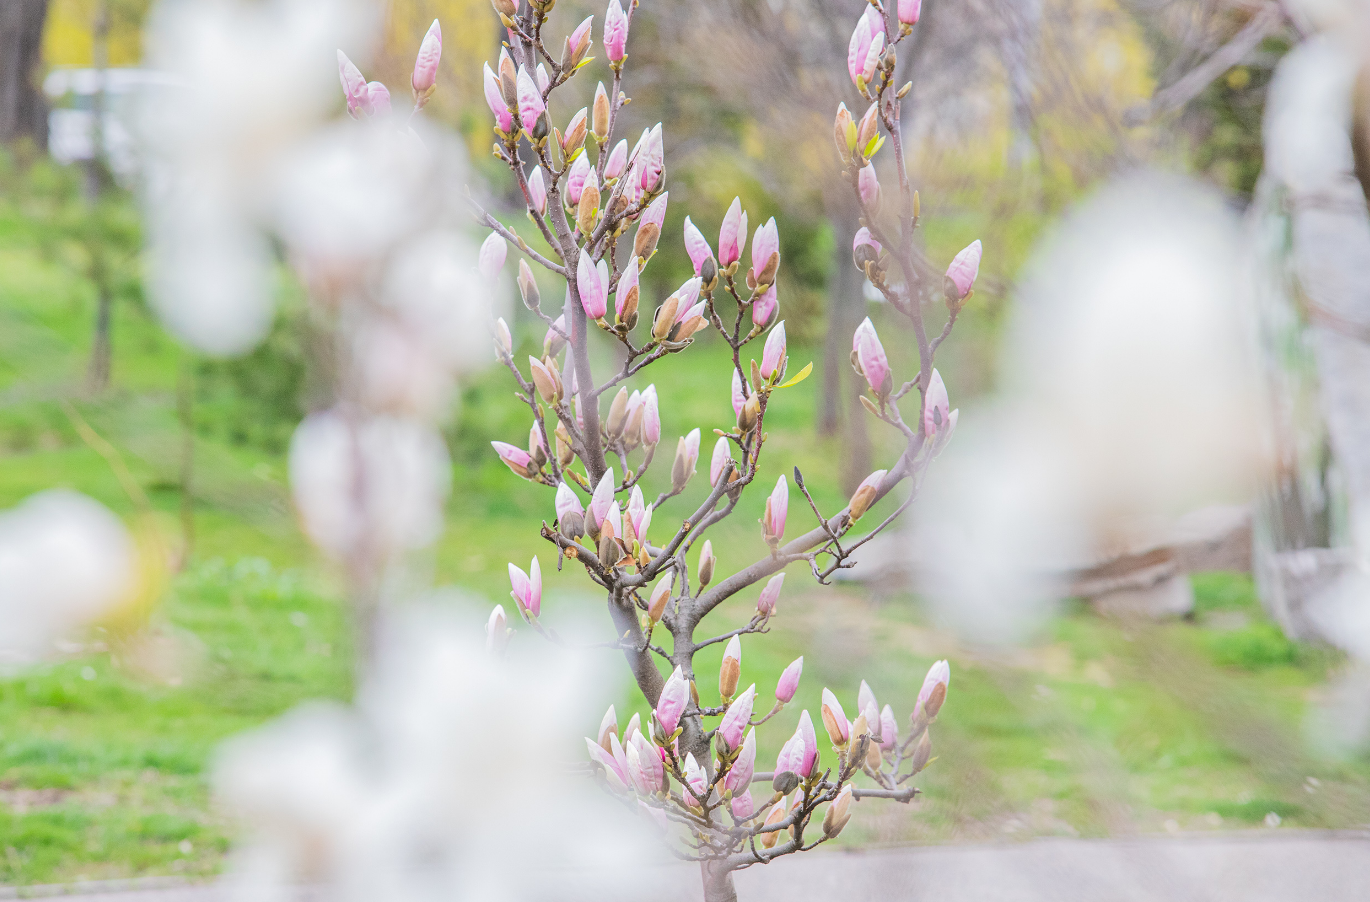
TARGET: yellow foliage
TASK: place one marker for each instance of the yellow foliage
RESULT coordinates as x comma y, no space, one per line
69,36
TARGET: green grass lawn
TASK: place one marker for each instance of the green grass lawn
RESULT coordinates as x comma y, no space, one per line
1094,728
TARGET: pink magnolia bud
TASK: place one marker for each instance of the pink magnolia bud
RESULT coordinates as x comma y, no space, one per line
696,779
575,179
686,460
909,10
740,774
809,744
868,186
870,356
541,77
618,159
592,282
651,418
492,255
791,757
637,774
765,242
963,270
579,40
655,212
378,96
650,758
735,720
732,237
612,524
770,595
720,460
613,771
637,510
530,100
654,159
865,700
686,297
425,75
835,719
671,704
838,813
607,726
889,729
567,502
789,681
554,341
504,342
537,191
764,307
615,32
873,55
626,283
497,630
514,458
527,589
739,399
742,805
934,691
696,245
773,357
936,407
354,86
634,727
858,48
504,120
602,498
777,508
865,239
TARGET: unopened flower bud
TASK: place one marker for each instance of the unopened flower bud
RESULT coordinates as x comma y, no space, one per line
565,451
868,129
751,411
587,211
425,76
615,34
506,8
574,137
546,379
515,458
962,272
838,813
730,670
493,252
765,605
528,286
497,630
835,719
777,509
871,360
508,81
665,318
656,607
686,457
864,496
706,564
868,187
600,119
922,753
933,693
843,133
708,273
671,703
610,552
773,357
644,244
607,727
555,339
789,681
504,342
618,410
909,11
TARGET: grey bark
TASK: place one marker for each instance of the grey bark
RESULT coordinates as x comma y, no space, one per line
23,111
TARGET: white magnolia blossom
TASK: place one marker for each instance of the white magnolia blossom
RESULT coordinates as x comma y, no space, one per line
65,560
1129,393
446,781
374,487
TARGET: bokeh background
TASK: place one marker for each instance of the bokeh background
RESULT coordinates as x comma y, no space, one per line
1020,109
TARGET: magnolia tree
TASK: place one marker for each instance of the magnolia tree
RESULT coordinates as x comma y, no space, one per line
600,206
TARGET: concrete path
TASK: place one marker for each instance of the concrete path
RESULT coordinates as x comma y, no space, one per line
1273,866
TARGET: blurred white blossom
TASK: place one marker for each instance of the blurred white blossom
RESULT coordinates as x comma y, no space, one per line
448,780
65,561
374,487
1129,393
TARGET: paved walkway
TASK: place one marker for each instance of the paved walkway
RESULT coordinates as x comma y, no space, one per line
1274,866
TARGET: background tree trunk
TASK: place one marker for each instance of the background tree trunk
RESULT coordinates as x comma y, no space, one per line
838,409
23,111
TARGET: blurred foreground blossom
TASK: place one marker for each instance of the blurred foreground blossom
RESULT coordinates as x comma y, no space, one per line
447,780
1134,396
65,561
374,488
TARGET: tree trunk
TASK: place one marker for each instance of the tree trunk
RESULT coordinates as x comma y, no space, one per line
718,883
97,376
23,111
839,411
